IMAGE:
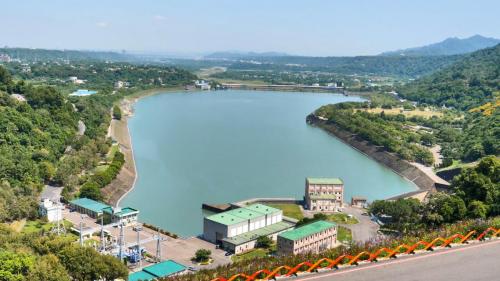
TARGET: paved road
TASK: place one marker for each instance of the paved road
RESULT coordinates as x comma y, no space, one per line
366,229
478,262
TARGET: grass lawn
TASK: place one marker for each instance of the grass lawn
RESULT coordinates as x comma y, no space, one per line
289,210
39,225
100,168
342,218
344,234
255,253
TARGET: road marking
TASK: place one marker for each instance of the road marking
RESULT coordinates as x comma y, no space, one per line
344,271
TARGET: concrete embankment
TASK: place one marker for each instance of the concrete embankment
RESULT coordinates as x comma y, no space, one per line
402,167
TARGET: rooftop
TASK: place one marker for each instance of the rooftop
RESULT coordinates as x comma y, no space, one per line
239,215
307,230
141,275
263,209
254,234
122,212
324,181
165,268
90,204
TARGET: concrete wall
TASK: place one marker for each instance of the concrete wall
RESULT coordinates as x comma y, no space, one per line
210,229
313,243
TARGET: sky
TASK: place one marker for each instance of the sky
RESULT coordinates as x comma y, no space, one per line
307,27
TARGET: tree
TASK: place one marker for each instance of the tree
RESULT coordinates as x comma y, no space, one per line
117,113
14,266
91,190
477,210
202,255
264,242
48,268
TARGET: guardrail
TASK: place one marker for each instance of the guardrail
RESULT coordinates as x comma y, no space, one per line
326,263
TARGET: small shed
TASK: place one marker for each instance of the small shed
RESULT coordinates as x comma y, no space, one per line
357,201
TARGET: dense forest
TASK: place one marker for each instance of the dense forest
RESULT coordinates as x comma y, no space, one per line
45,55
469,83
371,65
476,195
39,143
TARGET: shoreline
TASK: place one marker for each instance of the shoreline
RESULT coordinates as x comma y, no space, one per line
125,182
419,176
119,132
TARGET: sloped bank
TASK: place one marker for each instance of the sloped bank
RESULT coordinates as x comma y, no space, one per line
379,154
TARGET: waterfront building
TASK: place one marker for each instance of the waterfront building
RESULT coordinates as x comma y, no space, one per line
311,238
95,209
360,202
324,194
127,215
202,84
237,230
51,210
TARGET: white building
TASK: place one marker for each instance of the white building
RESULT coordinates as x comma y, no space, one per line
51,210
202,84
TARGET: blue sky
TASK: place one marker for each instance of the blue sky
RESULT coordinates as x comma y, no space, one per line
308,27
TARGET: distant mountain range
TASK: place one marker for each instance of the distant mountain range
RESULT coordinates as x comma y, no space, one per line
450,46
235,55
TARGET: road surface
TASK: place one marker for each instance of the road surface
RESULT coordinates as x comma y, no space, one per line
476,262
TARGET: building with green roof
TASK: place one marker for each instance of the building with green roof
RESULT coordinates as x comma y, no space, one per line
95,209
238,221
88,206
314,237
324,194
159,270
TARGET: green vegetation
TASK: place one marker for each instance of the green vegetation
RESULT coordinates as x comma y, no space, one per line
379,129
202,255
33,257
289,210
344,234
468,83
342,218
40,226
476,195
117,113
264,242
250,255
91,189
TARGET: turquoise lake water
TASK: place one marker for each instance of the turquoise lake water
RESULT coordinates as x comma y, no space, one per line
225,146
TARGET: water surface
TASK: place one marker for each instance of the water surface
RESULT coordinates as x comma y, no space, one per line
219,147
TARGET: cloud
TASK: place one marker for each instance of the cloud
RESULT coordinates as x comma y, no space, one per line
159,18
102,24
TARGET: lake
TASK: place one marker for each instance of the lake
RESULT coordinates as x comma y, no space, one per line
225,146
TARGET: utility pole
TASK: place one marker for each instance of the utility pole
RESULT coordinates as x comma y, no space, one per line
158,247
122,241
81,230
103,245
138,228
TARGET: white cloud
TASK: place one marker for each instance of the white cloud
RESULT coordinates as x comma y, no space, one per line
102,24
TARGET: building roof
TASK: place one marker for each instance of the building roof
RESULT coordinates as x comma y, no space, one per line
122,212
225,218
263,209
358,198
307,230
254,234
141,275
90,204
324,181
239,215
165,268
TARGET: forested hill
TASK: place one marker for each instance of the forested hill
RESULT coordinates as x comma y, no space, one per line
26,54
468,83
449,46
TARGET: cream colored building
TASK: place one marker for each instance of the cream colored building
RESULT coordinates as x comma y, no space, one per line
324,194
311,238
